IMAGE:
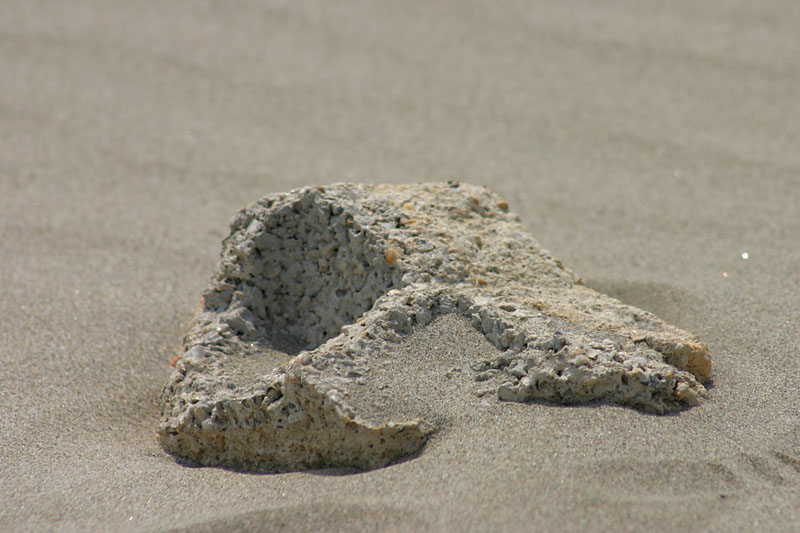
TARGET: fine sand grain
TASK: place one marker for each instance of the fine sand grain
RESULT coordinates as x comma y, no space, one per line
428,376
652,148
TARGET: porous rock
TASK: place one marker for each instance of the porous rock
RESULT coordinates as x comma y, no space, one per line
315,286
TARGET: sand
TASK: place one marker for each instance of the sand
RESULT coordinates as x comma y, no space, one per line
647,146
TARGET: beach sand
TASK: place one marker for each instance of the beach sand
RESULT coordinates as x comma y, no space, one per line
652,148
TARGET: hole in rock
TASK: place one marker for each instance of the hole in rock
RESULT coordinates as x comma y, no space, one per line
307,270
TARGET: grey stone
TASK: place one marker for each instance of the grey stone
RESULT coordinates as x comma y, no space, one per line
314,286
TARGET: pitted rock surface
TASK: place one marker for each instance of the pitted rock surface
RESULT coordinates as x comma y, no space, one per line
317,287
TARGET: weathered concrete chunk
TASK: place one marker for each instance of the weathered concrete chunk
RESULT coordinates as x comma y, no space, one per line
317,287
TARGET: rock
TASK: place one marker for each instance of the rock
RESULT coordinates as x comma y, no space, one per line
314,286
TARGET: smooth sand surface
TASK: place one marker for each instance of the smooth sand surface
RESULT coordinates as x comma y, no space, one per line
646,144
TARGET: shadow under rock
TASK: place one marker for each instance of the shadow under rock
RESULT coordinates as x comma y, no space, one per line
334,471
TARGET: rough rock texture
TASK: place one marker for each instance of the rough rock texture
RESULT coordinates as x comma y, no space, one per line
314,288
